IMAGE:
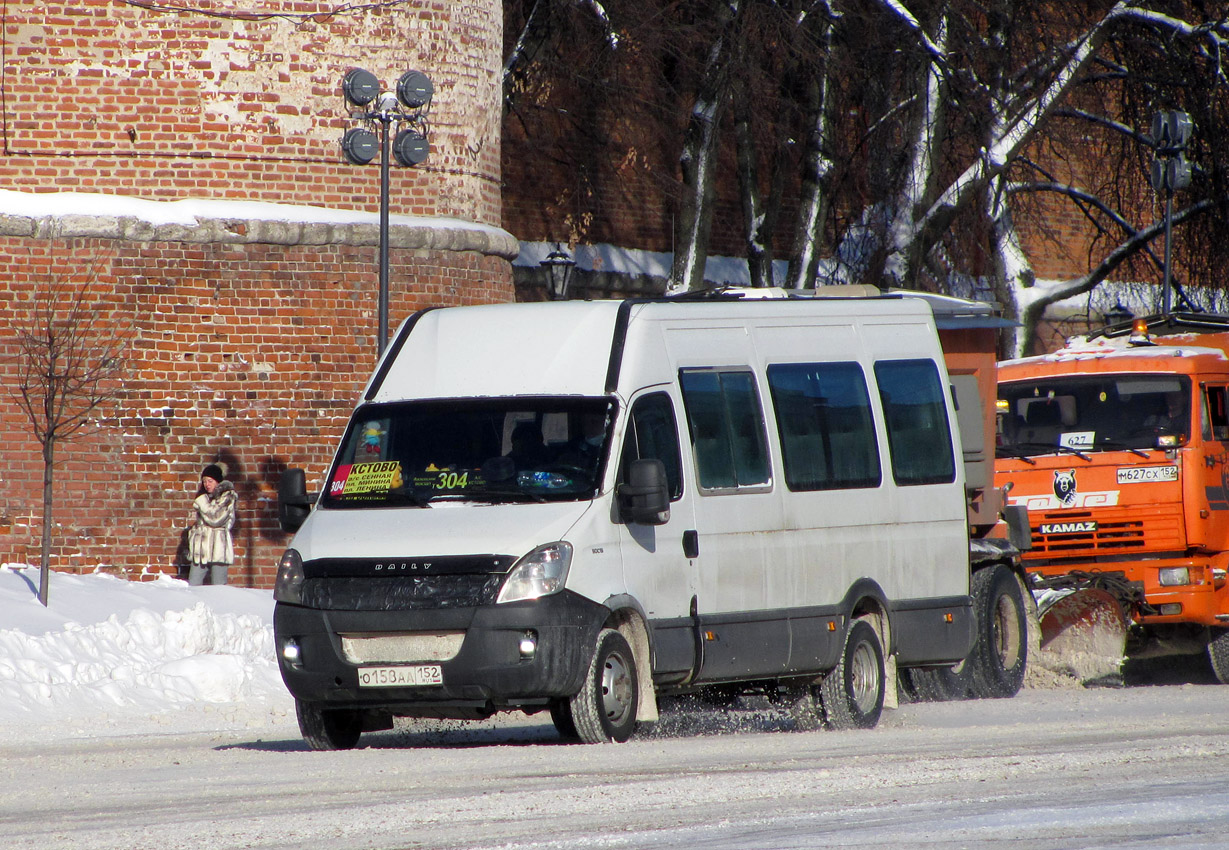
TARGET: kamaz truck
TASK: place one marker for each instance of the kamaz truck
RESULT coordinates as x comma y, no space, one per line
1118,446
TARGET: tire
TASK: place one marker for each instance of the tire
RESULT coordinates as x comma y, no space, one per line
852,694
605,709
806,711
1000,652
1218,654
938,684
561,716
328,729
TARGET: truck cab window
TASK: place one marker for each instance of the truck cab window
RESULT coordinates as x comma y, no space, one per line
726,425
1106,412
1215,414
652,434
919,436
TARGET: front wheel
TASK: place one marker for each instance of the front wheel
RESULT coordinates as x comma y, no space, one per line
328,728
1218,654
852,693
605,709
996,662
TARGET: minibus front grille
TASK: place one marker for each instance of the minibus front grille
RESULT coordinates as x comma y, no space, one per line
400,593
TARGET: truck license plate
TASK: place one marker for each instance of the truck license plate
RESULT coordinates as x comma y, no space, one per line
400,677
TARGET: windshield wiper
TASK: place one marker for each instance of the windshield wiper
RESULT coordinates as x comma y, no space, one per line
497,496
1012,451
1056,448
1116,444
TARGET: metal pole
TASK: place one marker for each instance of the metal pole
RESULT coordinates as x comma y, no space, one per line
382,339
1169,212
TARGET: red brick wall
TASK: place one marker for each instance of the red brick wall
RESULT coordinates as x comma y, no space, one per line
244,351
116,97
249,354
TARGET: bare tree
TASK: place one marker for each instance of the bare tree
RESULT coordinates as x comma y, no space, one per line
70,356
925,144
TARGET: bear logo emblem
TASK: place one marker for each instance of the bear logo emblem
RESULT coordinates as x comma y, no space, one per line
1064,487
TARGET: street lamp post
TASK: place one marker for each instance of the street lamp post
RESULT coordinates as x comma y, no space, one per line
1171,133
409,147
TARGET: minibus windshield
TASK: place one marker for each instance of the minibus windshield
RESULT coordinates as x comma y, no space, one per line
486,450
1090,413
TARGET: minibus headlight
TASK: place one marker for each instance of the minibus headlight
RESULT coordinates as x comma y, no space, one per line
540,573
289,584
1175,576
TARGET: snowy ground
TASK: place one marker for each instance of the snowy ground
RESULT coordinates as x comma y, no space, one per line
152,716
108,656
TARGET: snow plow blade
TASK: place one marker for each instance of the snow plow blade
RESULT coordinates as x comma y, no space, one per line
1083,634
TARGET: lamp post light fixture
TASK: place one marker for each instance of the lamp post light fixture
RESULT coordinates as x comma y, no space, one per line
1117,315
559,266
1171,133
410,147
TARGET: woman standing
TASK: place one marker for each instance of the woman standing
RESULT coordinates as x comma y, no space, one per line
210,549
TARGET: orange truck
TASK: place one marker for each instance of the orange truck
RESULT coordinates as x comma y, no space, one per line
1118,446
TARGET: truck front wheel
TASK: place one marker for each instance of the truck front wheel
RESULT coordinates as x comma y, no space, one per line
1218,654
996,662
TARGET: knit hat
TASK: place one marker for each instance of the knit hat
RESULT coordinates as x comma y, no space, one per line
213,471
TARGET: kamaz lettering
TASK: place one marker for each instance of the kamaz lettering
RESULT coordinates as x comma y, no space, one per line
1067,527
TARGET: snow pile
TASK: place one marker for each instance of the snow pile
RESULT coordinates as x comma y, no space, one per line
117,654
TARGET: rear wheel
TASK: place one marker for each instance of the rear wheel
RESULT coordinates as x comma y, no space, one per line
938,684
605,709
328,729
997,660
852,693
1218,654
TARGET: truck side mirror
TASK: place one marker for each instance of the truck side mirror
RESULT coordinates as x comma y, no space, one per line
645,496
293,503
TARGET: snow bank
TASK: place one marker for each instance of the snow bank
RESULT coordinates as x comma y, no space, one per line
112,655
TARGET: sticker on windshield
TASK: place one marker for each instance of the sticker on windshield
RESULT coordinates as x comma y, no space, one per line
1077,439
359,478
1145,474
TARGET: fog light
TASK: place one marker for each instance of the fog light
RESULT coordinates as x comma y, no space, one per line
529,645
1171,609
291,651
1174,576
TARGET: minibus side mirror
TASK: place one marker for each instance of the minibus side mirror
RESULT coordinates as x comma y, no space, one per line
293,503
645,496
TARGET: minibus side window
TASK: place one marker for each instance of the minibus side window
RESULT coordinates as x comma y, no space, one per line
652,434
919,436
726,425
827,430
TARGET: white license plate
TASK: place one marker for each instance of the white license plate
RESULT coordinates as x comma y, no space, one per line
400,677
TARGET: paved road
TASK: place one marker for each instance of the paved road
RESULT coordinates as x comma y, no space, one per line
1144,766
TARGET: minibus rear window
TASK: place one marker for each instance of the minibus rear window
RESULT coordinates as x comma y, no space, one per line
919,436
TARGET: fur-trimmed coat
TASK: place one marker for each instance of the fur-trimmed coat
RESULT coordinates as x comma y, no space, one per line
212,519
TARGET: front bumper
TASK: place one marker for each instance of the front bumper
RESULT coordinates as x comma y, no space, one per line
488,673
